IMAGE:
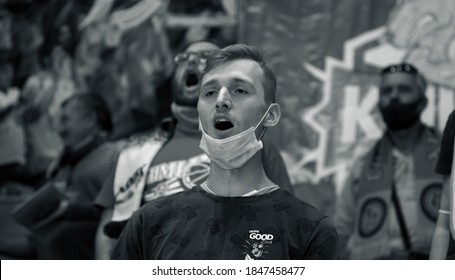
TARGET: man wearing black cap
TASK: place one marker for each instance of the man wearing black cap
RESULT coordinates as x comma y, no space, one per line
389,205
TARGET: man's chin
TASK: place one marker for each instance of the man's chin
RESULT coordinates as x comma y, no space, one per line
187,98
191,91
186,102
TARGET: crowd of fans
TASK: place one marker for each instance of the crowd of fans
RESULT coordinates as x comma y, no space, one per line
50,50
100,106
119,51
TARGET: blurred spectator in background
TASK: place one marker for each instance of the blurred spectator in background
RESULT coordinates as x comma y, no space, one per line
13,147
181,36
57,53
12,136
389,205
123,55
167,160
40,67
42,140
117,49
26,34
50,49
79,173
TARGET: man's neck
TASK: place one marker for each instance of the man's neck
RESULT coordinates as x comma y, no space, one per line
239,181
187,118
404,140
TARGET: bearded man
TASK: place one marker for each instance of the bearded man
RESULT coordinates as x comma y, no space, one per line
389,206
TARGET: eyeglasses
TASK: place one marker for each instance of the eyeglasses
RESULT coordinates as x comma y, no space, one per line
201,57
402,67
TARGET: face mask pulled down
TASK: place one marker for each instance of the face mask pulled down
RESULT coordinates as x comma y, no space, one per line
234,151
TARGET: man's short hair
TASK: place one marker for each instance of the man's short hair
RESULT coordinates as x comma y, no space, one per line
186,46
409,69
92,103
241,51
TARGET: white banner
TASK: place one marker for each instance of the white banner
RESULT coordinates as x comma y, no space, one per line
185,270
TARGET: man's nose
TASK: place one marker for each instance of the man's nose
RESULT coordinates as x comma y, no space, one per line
193,59
394,93
223,101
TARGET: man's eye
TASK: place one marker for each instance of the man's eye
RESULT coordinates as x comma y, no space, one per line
386,90
210,92
404,89
241,91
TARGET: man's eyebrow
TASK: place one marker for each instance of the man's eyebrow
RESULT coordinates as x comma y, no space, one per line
209,83
234,80
241,81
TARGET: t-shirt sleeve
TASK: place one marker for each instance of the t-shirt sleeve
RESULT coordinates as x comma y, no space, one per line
129,245
274,167
444,164
323,244
105,197
100,163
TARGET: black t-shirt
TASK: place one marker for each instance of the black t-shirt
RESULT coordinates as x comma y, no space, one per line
197,225
444,165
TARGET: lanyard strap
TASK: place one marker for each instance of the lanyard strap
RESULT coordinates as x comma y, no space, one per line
401,220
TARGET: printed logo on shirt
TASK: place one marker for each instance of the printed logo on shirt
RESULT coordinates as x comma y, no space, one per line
372,216
176,176
125,192
257,244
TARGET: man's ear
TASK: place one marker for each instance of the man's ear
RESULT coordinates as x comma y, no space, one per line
273,116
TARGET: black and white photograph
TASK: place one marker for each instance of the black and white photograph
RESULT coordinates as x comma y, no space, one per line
209,130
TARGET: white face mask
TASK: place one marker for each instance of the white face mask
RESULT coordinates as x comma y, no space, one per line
235,151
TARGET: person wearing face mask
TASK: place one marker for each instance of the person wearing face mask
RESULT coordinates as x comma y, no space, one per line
167,160
238,211
389,204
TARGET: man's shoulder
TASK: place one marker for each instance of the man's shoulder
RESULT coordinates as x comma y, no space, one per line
161,132
284,200
175,201
363,153
432,134
451,118
108,150
111,146
101,160
306,218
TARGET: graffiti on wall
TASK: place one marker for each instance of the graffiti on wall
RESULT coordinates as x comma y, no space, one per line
426,31
346,118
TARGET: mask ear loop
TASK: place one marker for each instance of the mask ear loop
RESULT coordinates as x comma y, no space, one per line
263,117
262,133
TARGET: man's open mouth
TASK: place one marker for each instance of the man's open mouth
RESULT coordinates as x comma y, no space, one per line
223,124
192,79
